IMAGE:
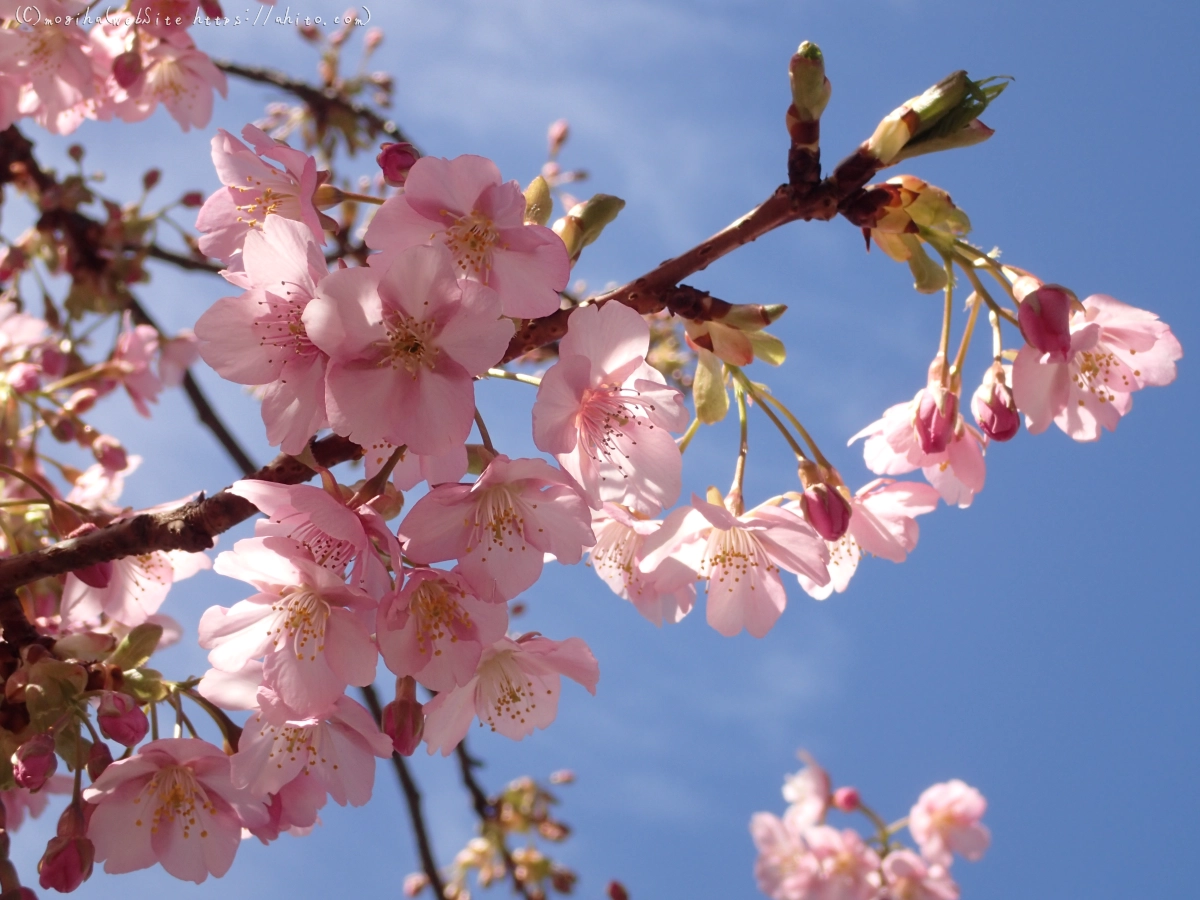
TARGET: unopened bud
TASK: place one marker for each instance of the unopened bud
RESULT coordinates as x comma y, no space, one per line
99,759
556,136
192,199
81,401
752,316
127,68
109,453
121,719
562,776
373,39
827,510
539,203
616,891
66,864
396,160
34,762
404,719
974,132
151,178
326,195
936,417
415,883
310,33
810,87
1045,319
589,219
994,408
23,377
846,799
75,151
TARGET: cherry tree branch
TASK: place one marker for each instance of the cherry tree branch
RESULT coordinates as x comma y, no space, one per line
486,811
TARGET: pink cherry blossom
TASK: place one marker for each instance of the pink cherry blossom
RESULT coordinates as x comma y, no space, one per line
51,65
136,348
946,818
405,344
173,803
807,793
882,523
784,868
331,754
334,534
514,690
435,629
892,448
846,868
136,588
462,204
605,413
1115,350
740,557
99,487
311,629
908,877
259,336
254,191
617,556
500,528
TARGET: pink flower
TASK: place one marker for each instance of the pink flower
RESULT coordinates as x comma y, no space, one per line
136,588
173,803
514,691
892,448
946,818
404,718
1115,350
312,630
175,355
254,191
605,413
121,719
617,557
405,344
461,204
330,754
396,160
51,65
259,336
882,523
807,793
500,528
846,868
334,534
741,557
135,350
435,629
909,878
784,868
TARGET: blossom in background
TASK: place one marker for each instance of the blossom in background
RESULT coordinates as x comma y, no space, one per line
808,793
136,588
908,877
259,338
740,557
606,414
172,803
50,68
463,205
945,819
405,344
136,348
514,690
1115,350
501,527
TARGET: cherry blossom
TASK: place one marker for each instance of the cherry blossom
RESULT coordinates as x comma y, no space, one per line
807,793
172,803
908,877
500,528
136,588
405,344
51,65
462,204
435,629
784,869
740,556
845,867
514,690
605,413
617,557
312,630
254,191
946,818
136,348
1115,350
882,523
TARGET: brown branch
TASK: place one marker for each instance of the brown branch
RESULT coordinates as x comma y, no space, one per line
486,810
413,798
319,100
181,260
192,526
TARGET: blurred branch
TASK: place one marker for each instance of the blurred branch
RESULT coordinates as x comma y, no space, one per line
181,260
486,810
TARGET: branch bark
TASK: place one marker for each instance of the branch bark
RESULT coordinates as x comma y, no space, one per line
486,811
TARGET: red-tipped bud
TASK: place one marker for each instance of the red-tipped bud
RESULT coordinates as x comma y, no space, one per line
1045,319
121,719
151,178
81,401
373,39
192,199
404,719
75,151
310,33
34,762
846,799
23,377
109,453
936,417
66,864
127,68
826,510
994,408
99,759
396,160
616,891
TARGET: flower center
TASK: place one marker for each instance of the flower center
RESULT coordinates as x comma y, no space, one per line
439,616
300,620
471,239
280,326
498,522
1092,371
506,691
173,793
735,554
409,343
296,740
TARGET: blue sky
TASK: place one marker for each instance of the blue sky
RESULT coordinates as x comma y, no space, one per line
1040,645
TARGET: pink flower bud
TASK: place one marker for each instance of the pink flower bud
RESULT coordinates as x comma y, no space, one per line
54,362
66,864
212,8
127,68
1045,319
396,160
81,401
846,799
109,453
373,39
34,762
23,377
99,759
403,718
192,199
826,510
556,136
121,719
415,883
994,408
97,575
937,414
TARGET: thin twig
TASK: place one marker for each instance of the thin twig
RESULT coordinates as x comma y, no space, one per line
413,798
180,260
486,811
